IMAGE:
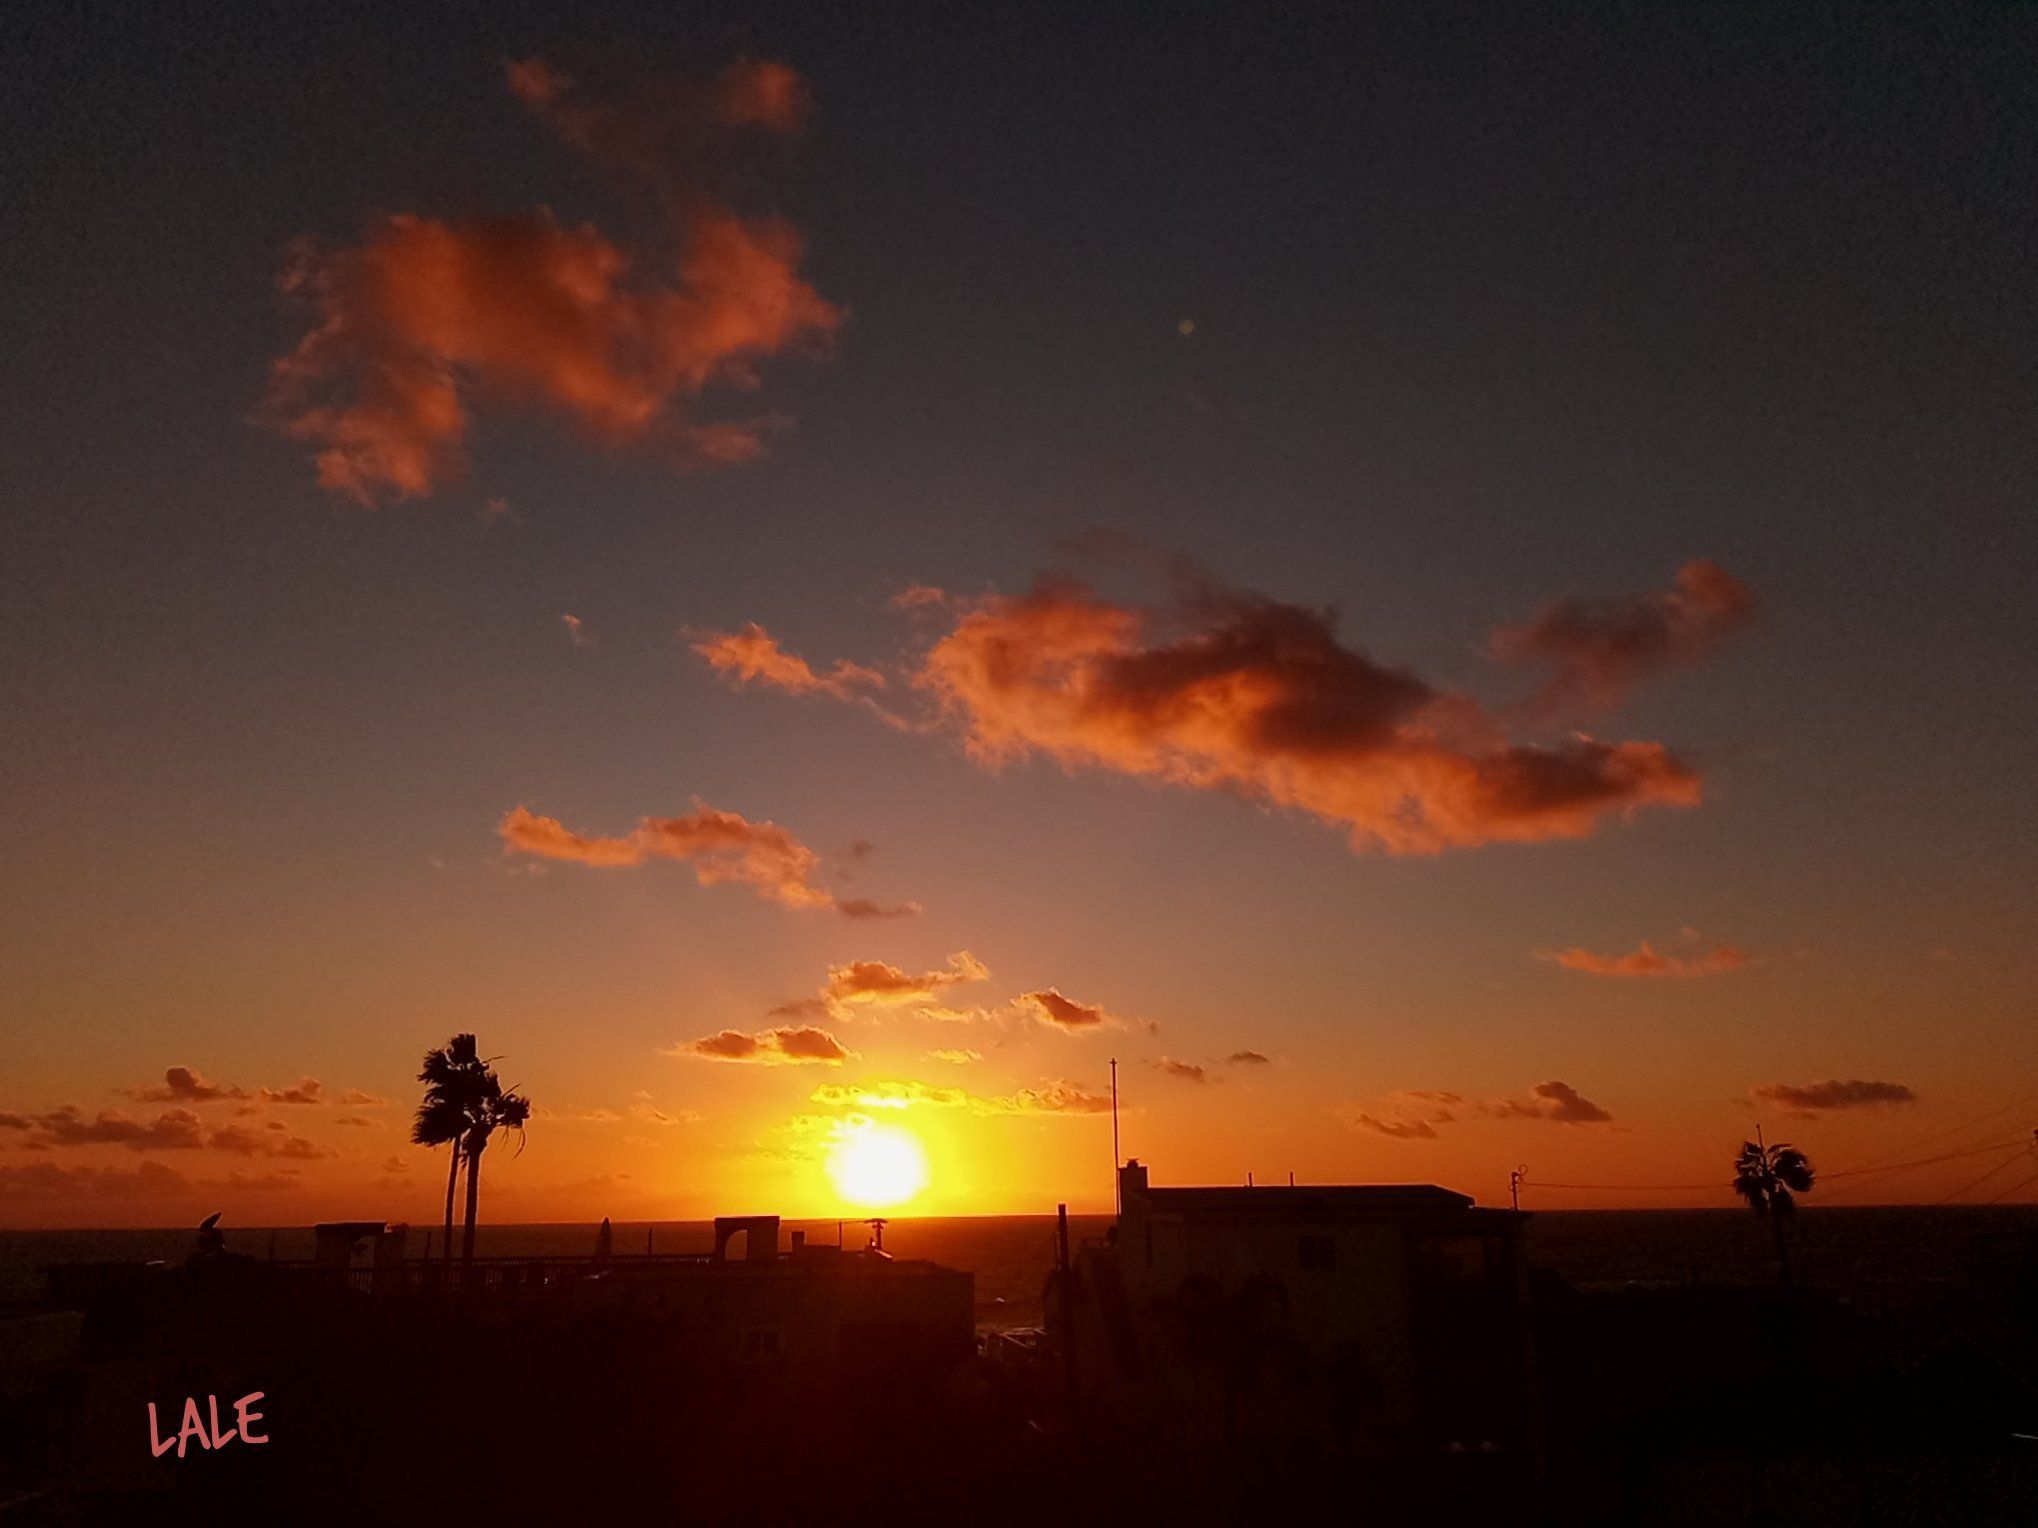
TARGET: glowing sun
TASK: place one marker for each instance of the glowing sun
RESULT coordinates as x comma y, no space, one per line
878,1166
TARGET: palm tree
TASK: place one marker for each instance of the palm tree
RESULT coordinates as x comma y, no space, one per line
1769,1177
454,1076
496,1109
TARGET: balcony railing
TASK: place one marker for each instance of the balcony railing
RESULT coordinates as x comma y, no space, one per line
518,1276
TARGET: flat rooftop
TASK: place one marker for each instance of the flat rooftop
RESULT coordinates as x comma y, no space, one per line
1306,1200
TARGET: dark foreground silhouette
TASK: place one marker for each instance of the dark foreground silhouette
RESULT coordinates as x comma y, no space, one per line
761,1383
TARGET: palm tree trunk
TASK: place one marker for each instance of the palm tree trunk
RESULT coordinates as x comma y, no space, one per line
473,1202
452,1177
1782,1247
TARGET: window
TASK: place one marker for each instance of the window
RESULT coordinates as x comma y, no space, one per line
1318,1253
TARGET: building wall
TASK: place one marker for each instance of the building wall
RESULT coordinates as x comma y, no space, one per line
1361,1302
1385,1329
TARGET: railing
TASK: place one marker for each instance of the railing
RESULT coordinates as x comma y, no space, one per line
520,1276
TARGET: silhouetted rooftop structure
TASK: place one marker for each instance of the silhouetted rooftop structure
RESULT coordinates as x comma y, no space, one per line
1386,1317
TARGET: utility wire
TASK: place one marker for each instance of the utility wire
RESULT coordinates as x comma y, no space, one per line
1956,1130
1951,1156
2006,1161
2011,1190
1852,1172
1869,1175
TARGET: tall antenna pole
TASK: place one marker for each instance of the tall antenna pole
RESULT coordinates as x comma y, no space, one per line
1117,1198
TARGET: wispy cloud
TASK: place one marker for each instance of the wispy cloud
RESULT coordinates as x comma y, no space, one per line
879,983
721,847
1414,1113
1399,1129
753,656
1810,1098
171,1130
789,1046
1647,961
1056,1097
1598,650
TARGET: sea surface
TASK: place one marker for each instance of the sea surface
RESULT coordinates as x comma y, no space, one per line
1852,1248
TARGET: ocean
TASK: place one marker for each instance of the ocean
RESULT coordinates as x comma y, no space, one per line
1850,1248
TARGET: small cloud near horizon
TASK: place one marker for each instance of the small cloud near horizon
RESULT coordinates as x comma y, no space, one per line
789,1046
1806,1100
1063,1013
1415,1113
1647,961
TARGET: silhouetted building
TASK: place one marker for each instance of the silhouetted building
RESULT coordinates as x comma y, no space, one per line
1389,1318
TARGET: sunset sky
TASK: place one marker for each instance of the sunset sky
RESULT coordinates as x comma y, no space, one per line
1453,588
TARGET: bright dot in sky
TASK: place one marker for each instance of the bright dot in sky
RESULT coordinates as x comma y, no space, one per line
1186,326
878,1166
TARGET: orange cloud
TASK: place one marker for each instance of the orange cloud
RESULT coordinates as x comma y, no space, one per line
753,655
1261,698
1183,1071
1600,649
1646,961
1558,1102
171,1130
1417,1112
721,846
888,1095
1050,1007
1055,1097
769,1047
308,1090
184,1085
426,316
1247,1058
1400,1130
862,908
527,833
264,1143
1820,1097
875,982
